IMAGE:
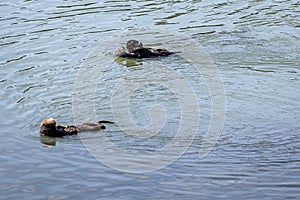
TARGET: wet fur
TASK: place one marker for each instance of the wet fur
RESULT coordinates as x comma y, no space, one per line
135,49
49,128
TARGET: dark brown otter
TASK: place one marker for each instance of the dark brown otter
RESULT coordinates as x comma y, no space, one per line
49,128
135,49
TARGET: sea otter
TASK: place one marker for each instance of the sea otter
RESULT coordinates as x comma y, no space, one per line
135,49
49,128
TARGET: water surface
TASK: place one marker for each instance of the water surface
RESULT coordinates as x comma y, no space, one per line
254,44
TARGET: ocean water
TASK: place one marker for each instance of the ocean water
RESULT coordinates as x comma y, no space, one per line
220,119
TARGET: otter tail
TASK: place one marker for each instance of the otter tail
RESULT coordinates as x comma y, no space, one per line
105,122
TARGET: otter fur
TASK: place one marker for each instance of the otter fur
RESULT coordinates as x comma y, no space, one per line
49,128
136,49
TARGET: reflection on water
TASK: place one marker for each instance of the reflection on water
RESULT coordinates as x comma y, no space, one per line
128,62
255,45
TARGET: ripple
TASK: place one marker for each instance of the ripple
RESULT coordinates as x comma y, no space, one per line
16,59
255,45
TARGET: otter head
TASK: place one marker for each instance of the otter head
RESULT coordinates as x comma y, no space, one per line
48,127
133,45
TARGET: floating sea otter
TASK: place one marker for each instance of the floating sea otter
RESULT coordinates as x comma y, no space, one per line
49,128
135,49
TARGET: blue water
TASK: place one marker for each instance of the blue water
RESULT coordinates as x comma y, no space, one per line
45,47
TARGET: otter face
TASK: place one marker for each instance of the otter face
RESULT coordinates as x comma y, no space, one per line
48,126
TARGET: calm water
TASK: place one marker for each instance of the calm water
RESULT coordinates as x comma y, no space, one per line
45,45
